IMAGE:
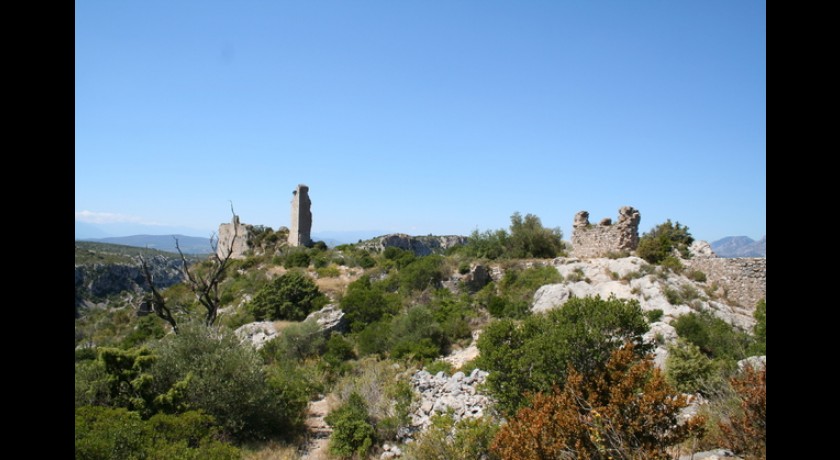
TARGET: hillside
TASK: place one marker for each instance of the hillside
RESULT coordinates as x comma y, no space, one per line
189,244
416,327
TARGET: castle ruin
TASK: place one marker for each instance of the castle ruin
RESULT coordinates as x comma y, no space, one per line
237,232
600,240
301,223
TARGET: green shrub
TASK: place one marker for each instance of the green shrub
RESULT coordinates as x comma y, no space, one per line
697,275
536,354
352,432
424,272
417,334
296,342
439,365
527,239
364,303
672,263
115,433
375,339
468,439
365,260
338,351
299,258
516,291
654,315
661,241
401,257
688,370
464,268
291,297
715,337
330,271
225,378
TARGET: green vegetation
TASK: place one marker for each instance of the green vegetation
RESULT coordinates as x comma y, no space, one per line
513,296
760,328
536,355
467,439
661,241
716,338
353,433
291,297
527,239
689,370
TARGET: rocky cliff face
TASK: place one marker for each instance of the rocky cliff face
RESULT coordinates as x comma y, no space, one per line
420,245
96,282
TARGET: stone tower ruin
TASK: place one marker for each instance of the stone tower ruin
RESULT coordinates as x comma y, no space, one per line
301,223
599,240
240,242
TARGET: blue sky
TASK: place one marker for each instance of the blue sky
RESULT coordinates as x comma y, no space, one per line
421,117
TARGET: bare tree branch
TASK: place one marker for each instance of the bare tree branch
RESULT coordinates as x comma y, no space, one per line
157,301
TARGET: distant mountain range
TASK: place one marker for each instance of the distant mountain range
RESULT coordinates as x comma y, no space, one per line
740,246
189,244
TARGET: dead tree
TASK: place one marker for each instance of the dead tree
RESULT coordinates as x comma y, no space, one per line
204,286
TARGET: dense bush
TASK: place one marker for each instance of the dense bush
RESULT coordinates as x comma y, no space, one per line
417,335
715,337
366,302
353,434
625,410
116,433
516,291
400,257
527,238
661,241
291,296
296,342
225,378
536,354
467,439
424,272
299,259
688,370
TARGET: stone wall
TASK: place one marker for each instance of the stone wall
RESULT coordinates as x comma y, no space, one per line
240,244
598,240
301,223
743,279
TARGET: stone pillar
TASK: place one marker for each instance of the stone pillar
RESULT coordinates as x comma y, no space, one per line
301,223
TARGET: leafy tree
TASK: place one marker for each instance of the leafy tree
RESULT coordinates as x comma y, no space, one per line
291,296
760,328
688,370
417,334
625,410
661,242
364,303
536,354
528,238
127,377
353,434
715,337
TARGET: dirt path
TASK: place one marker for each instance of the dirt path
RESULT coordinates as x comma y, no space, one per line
319,431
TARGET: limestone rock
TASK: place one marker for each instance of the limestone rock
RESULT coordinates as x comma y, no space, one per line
661,335
755,362
257,333
330,318
477,278
419,245
700,249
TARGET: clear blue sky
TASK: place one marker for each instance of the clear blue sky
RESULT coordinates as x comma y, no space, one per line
422,116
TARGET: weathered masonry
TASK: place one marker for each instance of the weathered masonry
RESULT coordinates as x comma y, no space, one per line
301,223
599,240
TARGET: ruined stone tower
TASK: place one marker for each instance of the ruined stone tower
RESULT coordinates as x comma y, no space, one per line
600,240
240,242
301,223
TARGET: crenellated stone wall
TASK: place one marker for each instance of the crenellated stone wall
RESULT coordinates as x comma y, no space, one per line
301,223
240,244
743,280
599,240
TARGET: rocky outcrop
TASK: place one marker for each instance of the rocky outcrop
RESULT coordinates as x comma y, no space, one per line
329,319
419,245
440,393
600,240
633,278
755,362
700,249
661,335
257,333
